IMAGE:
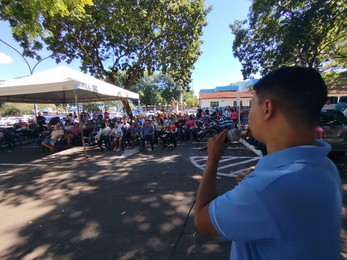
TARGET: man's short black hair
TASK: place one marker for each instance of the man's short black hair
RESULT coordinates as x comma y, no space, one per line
299,92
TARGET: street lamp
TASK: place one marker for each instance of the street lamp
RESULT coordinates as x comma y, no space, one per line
31,70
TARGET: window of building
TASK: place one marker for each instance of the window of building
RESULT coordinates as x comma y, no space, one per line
214,104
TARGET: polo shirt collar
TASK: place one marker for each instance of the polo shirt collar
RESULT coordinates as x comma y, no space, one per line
303,153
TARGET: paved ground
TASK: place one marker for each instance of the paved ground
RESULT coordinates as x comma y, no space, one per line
108,205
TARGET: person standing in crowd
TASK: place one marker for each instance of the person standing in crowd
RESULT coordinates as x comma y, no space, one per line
234,115
289,206
41,121
226,113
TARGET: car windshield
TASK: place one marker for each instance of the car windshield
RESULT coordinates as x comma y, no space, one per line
332,117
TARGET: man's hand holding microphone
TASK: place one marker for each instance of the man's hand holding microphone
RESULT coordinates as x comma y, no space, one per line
217,145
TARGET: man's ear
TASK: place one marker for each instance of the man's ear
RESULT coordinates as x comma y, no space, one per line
268,108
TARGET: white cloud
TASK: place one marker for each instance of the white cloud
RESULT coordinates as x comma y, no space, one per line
5,59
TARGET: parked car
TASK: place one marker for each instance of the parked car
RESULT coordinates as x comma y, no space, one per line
10,121
191,112
334,124
151,113
116,115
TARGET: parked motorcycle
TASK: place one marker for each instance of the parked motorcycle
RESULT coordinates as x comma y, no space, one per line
214,127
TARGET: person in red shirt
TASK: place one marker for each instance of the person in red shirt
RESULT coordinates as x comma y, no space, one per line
234,115
170,139
190,128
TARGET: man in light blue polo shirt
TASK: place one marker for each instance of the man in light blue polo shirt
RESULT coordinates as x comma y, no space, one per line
289,206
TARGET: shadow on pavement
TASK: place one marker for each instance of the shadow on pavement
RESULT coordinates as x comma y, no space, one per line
103,207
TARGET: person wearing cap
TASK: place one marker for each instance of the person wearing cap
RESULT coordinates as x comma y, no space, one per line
146,134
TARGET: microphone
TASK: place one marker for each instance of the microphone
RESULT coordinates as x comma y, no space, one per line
232,136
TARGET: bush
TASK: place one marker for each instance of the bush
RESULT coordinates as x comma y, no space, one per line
16,109
10,111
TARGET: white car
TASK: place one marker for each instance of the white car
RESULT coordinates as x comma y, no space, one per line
151,113
191,112
116,115
10,121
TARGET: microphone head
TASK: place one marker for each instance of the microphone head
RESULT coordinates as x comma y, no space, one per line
234,135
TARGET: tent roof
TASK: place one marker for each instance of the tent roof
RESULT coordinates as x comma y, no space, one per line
58,86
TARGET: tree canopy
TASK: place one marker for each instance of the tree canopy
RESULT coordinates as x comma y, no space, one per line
121,40
291,32
26,17
157,88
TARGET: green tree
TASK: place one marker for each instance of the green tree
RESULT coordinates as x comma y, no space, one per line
289,32
120,40
156,88
26,17
335,79
335,73
169,89
16,109
190,99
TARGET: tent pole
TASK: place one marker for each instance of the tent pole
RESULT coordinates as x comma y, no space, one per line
80,123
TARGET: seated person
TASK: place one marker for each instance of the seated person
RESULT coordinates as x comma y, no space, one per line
73,135
22,124
181,128
126,132
53,121
135,132
103,136
191,128
68,126
146,134
89,130
160,129
116,136
170,138
53,138
33,128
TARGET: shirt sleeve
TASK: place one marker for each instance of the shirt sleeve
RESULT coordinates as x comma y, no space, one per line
239,214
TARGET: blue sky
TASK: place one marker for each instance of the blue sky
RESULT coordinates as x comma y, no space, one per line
215,67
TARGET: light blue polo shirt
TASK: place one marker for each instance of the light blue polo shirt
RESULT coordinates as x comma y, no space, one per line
289,207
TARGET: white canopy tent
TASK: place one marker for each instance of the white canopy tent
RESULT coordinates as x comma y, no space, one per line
61,85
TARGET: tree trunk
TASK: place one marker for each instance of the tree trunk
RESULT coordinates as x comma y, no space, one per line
127,108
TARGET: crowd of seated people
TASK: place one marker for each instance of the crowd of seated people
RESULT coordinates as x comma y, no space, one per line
167,129
118,133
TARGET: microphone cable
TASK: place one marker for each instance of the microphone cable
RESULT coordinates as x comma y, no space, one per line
181,233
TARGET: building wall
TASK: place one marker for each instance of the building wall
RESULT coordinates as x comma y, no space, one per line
223,102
